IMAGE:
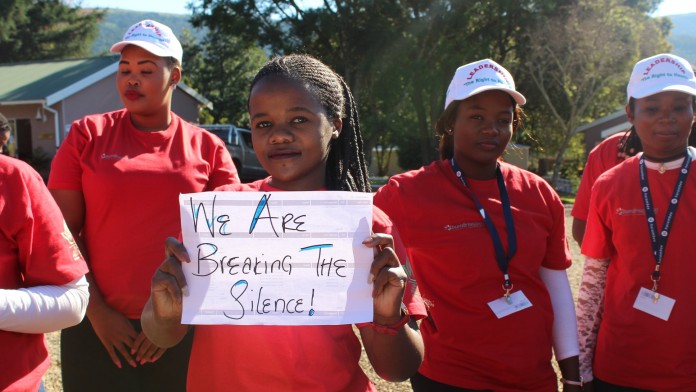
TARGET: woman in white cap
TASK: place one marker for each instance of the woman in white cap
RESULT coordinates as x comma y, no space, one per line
117,178
488,246
636,308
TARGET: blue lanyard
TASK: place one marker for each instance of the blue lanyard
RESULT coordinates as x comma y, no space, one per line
500,256
659,240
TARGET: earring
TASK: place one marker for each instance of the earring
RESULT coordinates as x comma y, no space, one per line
449,131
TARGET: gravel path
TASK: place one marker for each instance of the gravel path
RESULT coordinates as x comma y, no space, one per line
52,378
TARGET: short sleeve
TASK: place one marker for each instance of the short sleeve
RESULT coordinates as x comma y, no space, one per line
386,198
557,250
592,171
47,252
597,242
66,168
582,197
223,171
602,158
412,299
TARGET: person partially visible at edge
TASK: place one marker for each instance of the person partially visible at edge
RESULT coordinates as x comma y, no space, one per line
635,305
488,246
42,275
117,178
306,133
5,130
607,154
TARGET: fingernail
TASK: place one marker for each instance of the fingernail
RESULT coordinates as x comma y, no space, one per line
185,256
371,278
185,291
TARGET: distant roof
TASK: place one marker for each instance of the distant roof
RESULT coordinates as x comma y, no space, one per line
39,80
54,80
610,124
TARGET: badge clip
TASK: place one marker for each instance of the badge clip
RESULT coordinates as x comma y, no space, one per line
655,276
507,287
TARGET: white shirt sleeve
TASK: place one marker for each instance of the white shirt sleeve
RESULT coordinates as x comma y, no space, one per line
42,309
565,335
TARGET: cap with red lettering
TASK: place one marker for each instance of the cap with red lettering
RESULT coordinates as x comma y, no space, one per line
663,72
480,76
152,36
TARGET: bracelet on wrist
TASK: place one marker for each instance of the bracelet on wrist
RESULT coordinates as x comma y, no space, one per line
572,382
392,329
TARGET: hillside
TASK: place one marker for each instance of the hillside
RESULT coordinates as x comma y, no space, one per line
683,37
116,23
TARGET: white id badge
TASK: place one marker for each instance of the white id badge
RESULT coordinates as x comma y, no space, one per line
646,302
501,307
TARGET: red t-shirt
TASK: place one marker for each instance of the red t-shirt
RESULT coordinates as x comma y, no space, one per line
131,181
285,358
634,348
453,259
602,158
36,249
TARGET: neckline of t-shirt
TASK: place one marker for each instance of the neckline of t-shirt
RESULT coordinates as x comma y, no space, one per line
267,187
158,135
664,166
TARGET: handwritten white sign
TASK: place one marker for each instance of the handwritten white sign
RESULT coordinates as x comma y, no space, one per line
277,258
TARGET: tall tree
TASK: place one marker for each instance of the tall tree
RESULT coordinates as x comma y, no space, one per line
397,56
578,62
223,67
45,30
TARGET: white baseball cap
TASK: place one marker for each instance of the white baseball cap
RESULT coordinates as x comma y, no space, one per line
152,36
480,76
663,72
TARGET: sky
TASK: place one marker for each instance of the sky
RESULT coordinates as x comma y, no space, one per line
166,6
668,7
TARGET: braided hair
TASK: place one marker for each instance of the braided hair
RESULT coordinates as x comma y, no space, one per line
630,145
346,167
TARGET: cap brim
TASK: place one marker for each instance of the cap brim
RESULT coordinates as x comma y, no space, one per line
519,98
154,49
679,88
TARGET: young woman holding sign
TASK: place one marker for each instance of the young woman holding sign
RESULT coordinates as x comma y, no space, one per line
306,134
636,303
117,178
489,249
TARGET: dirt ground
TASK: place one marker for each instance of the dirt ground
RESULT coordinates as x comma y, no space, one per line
52,379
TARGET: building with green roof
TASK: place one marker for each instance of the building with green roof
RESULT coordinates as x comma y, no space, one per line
42,98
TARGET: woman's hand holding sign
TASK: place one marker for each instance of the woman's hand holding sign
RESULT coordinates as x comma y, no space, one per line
388,278
161,318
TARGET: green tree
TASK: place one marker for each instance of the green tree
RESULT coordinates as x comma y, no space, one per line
223,67
45,30
577,64
397,56
570,57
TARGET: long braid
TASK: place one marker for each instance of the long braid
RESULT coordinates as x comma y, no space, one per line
630,143
346,167
348,161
